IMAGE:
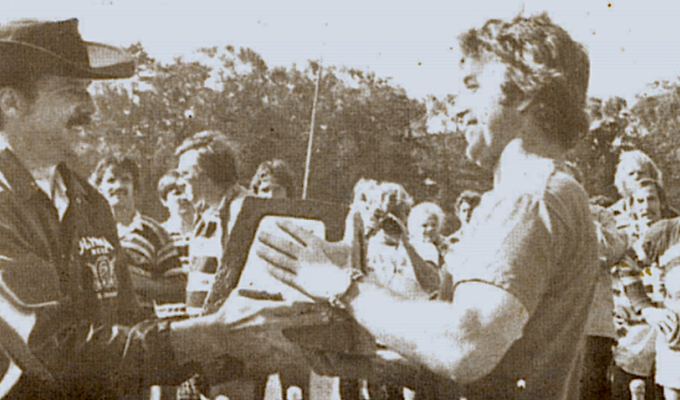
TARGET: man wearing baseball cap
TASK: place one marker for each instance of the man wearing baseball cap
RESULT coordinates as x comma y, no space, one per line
69,324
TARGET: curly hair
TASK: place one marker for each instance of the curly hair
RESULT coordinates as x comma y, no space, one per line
547,71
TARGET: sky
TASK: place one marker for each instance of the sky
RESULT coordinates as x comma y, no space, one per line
630,43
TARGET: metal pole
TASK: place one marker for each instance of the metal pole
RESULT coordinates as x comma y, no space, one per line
311,134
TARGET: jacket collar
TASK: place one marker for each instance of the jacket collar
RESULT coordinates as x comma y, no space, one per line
15,176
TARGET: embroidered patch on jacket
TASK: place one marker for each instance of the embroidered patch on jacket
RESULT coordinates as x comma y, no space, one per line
98,254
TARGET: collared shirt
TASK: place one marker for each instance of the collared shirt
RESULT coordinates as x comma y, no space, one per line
533,236
153,260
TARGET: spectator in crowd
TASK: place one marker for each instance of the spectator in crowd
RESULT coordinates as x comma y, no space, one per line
525,270
465,205
153,259
180,222
389,251
634,170
179,225
633,167
59,247
638,313
273,180
383,209
207,169
645,206
424,225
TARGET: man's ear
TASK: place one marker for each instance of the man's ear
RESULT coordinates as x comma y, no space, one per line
12,102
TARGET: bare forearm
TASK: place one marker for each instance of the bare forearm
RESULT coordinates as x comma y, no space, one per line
426,273
422,331
464,339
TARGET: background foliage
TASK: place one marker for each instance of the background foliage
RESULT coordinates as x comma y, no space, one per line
365,127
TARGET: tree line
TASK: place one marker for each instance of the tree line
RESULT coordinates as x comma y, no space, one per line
365,127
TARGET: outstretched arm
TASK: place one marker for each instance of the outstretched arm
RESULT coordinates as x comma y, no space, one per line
464,340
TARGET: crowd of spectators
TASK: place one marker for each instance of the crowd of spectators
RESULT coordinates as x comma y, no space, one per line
172,263
537,295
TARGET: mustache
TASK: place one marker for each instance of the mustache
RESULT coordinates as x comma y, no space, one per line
80,119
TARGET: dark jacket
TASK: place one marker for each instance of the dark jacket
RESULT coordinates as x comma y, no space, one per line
92,342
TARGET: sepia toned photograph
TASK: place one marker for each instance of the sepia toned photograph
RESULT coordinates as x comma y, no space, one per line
359,200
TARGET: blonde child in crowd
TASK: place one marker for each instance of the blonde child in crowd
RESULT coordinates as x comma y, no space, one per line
424,225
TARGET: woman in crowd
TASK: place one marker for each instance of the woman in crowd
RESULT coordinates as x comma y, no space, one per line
638,313
274,180
380,211
633,169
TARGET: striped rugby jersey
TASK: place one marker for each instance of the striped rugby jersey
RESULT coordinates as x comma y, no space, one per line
151,250
182,244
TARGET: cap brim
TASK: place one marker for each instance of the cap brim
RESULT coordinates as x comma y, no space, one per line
106,62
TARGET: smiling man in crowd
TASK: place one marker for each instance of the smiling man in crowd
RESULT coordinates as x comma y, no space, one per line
69,323
525,266
152,257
